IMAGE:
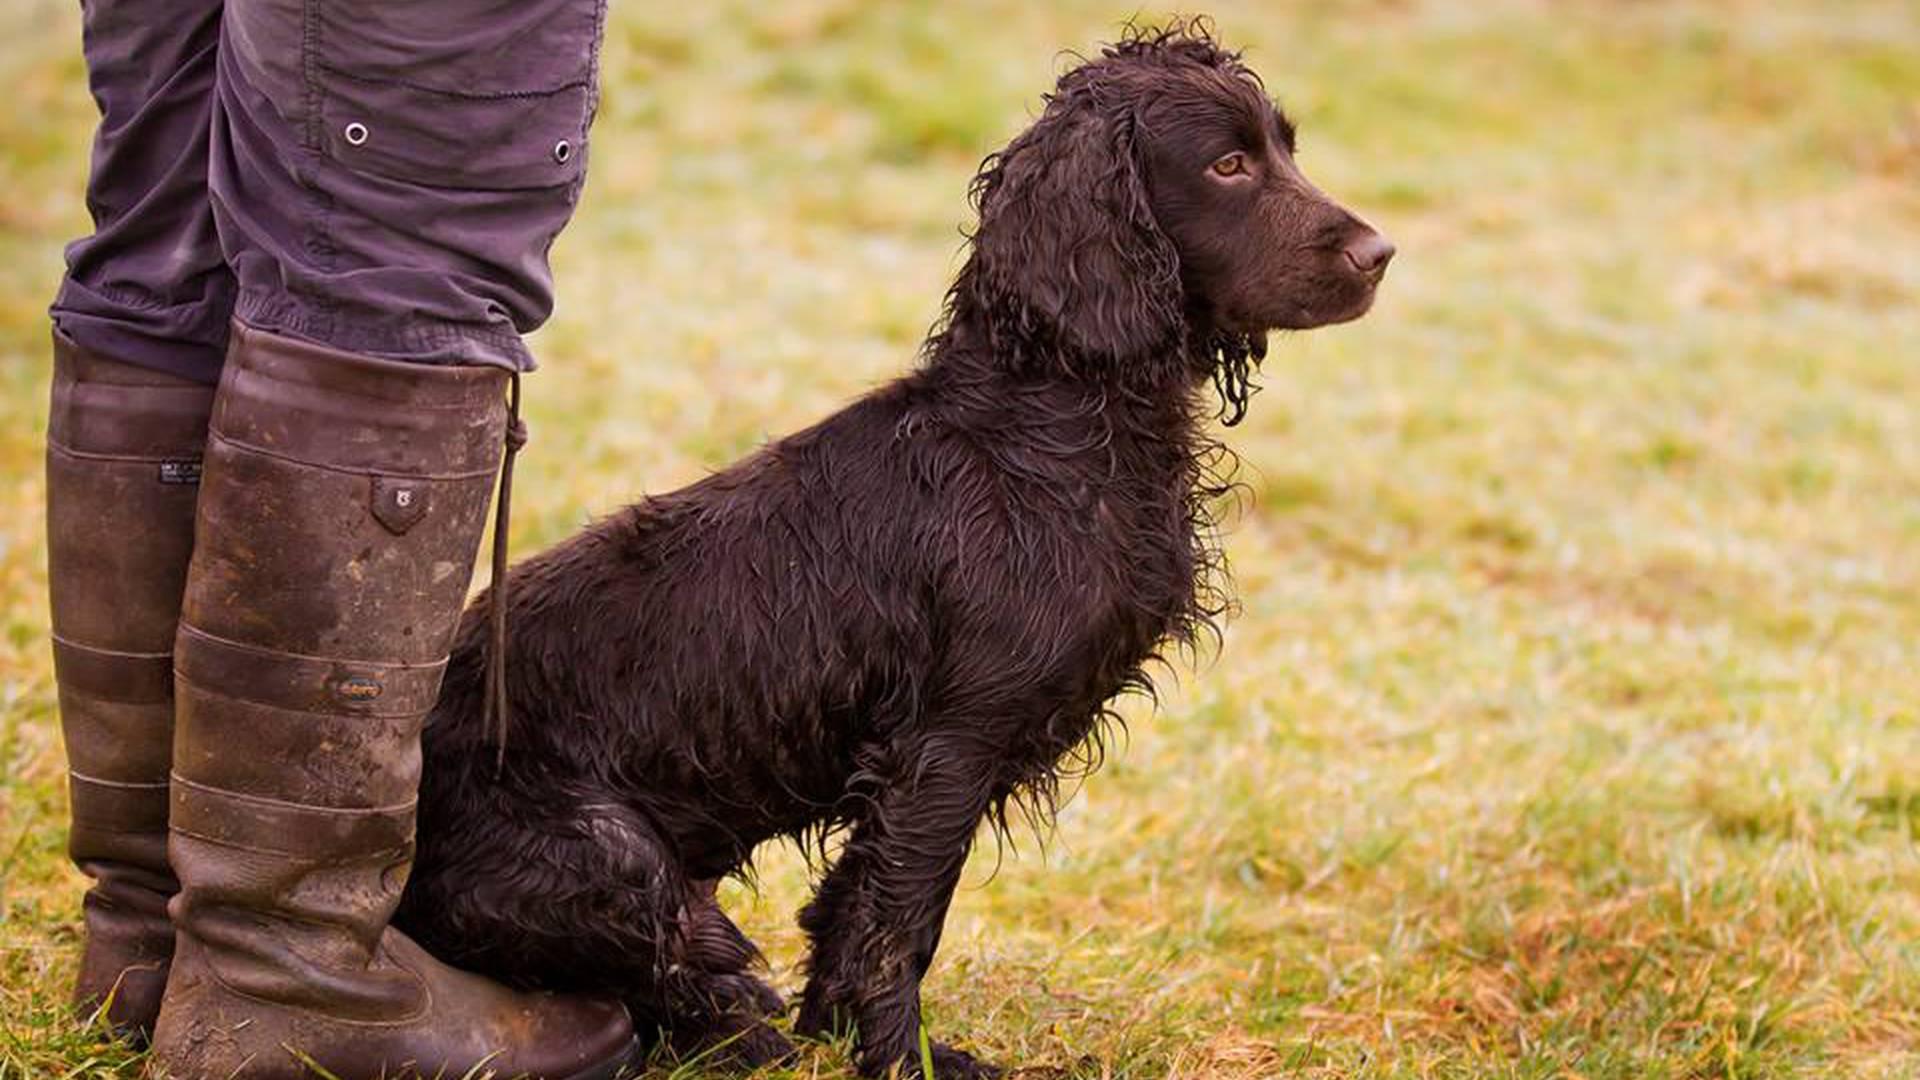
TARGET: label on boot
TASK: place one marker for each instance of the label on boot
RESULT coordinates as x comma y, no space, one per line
358,688
184,471
399,502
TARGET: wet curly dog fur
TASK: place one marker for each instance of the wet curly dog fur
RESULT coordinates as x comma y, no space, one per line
907,620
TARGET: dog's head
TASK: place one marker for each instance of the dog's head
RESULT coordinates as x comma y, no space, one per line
1155,210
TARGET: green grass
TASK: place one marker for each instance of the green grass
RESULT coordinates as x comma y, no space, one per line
1571,727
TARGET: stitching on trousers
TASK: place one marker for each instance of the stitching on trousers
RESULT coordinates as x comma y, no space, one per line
468,95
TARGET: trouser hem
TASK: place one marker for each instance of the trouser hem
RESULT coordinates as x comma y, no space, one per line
379,334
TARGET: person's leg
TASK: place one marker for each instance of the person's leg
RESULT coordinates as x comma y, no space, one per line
140,328
378,195
150,287
388,177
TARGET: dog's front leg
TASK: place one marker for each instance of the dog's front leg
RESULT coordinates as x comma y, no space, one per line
876,919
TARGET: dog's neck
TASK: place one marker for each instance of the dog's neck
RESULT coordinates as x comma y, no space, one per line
1068,429
982,366
1067,426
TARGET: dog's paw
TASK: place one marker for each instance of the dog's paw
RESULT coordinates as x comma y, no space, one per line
744,993
952,1063
949,1063
819,1020
734,1044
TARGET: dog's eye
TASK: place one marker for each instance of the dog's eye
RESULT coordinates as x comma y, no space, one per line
1234,164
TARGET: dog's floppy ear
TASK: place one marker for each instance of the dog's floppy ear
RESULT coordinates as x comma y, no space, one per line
1068,238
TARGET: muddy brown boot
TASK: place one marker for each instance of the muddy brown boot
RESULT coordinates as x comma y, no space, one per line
339,515
123,459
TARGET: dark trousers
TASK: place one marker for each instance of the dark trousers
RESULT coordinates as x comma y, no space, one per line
382,176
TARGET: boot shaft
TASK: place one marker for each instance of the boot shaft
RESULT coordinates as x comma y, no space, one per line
340,512
124,447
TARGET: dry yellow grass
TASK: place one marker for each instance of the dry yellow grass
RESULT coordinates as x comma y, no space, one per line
1569,728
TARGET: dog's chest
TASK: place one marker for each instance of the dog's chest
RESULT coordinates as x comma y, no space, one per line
1144,544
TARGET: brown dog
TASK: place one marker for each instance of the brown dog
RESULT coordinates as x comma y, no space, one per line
889,626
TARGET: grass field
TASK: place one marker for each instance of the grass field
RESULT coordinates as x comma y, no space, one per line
1571,725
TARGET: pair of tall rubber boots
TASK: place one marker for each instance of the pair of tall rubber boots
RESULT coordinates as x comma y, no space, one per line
270,720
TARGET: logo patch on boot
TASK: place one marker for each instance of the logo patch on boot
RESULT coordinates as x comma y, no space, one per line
358,688
183,471
399,503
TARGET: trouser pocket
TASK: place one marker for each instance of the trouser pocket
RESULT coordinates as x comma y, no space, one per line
484,95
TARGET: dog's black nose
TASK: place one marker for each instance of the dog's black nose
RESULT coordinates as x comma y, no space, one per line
1369,252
